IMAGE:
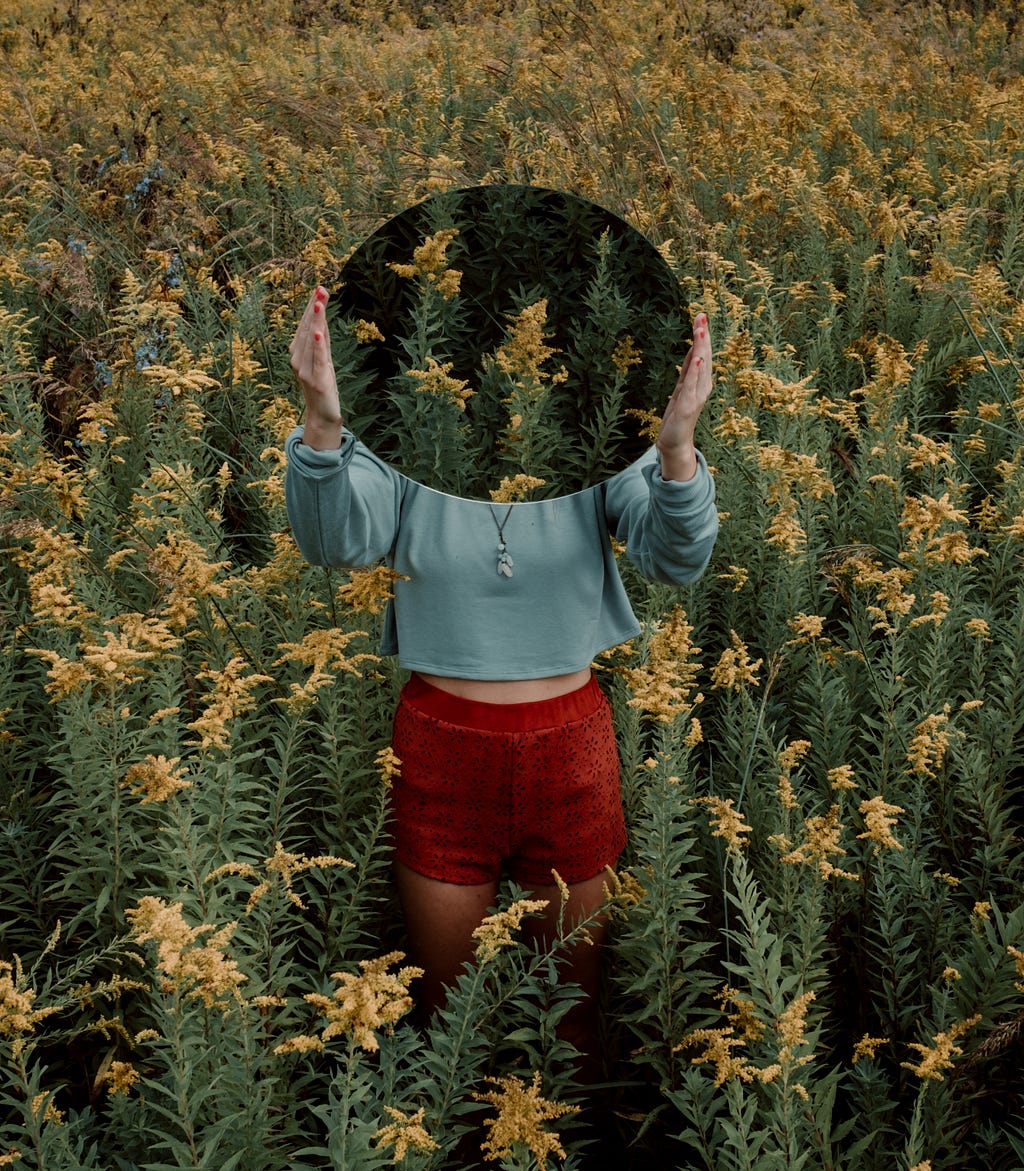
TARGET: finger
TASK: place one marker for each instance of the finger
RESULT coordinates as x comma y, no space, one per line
315,308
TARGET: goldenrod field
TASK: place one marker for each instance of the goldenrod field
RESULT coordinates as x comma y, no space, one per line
818,926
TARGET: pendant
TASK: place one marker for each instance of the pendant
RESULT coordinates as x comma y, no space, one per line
505,562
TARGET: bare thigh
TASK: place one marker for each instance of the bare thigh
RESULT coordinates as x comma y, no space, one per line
440,918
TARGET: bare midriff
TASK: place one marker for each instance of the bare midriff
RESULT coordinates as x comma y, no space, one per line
509,690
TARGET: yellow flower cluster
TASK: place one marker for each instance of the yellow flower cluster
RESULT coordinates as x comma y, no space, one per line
369,590
925,520
404,1133
156,778
524,351
17,1016
879,818
324,651
437,380
516,487
232,696
429,262
282,867
937,1057
727,821
200,970
735,669
820,845
665,686
521,1114
374,999
719,1046
929,745
495,932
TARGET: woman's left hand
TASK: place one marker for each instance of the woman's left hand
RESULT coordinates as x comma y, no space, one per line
675,440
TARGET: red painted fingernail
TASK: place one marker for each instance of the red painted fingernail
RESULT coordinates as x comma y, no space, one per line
699,362
321,292
318,336
317,307
702,333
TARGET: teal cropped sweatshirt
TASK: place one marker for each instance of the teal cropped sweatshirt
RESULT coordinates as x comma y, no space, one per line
454,612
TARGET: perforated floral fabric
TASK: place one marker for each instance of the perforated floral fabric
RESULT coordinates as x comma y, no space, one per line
533,786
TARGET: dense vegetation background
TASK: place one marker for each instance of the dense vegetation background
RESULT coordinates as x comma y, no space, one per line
818,955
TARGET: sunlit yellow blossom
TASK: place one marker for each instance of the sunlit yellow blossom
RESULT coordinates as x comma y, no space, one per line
879,818
937,1058
733,425
622,890
791,1028
516,487
806,627
374,999
323,650
743,1016
763,391
735,669
821,845
232,696
927,452
44,1109
978,628
890,591
524,351
281,867
369,590
55,562
430,257
626,354
279,418
665,685
201,970
367,331
866,1047
949,974
388,764
156,778
120,1078
784,531
923,519
495,932
521,1114
1018,958
841,777
727,821
937,613
738,575
930,743
982,909
303,1043
182,568
405,1133
793,472
17,1016
437,380
717,1050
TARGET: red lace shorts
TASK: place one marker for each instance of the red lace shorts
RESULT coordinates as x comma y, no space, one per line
531,785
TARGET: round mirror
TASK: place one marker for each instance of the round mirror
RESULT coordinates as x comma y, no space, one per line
507,339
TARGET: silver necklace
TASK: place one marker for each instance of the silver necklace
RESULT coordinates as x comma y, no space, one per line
505,562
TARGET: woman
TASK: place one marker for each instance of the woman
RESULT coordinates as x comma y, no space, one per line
506,743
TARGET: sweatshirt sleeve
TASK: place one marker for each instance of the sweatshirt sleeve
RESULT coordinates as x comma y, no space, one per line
668,526
343,505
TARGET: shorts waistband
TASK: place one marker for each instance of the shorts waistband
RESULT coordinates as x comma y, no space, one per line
502,717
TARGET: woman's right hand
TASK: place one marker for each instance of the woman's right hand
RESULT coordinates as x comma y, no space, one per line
314,368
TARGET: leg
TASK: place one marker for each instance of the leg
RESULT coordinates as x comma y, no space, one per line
440,918
581,1025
